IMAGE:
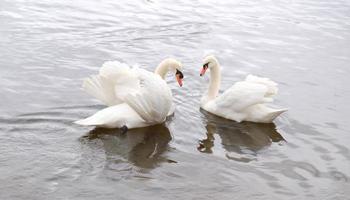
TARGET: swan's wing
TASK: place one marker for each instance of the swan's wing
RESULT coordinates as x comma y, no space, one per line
271,85
242,95
124,79
101,88
114,81
154,100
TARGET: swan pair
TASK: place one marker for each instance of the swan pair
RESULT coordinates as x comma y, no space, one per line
138,98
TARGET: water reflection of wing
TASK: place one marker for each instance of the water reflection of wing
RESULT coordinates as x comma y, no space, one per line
241,138
144,147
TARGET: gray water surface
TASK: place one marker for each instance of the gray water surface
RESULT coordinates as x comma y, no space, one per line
48,47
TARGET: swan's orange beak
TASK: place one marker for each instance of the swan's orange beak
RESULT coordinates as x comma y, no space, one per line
203,71
179,76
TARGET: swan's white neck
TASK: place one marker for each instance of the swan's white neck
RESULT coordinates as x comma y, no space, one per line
214,83
162,69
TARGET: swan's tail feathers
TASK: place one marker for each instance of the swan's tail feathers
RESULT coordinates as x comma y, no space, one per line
93,120
101,89
86,122
96,119
275,113
271,85
108,118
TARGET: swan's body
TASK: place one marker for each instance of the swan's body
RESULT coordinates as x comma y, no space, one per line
244,101
136,97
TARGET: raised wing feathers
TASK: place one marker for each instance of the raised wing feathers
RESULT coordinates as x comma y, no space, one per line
153,101
114,81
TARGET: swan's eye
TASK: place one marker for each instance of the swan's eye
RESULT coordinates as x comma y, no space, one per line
206,65
180,74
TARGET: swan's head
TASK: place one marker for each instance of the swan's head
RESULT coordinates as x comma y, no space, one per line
171,64
208,63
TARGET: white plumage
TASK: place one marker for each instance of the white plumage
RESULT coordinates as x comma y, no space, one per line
244,101
136,97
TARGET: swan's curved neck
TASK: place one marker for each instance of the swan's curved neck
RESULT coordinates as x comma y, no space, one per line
162,69
214,83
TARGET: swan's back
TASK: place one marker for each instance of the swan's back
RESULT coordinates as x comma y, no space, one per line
271,85
245,101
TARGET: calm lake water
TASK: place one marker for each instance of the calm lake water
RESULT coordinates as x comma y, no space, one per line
48,47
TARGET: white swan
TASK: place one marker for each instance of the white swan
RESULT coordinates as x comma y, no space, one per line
244,101
136,98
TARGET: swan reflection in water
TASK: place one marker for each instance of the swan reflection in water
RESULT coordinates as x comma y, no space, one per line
241,141
143,147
